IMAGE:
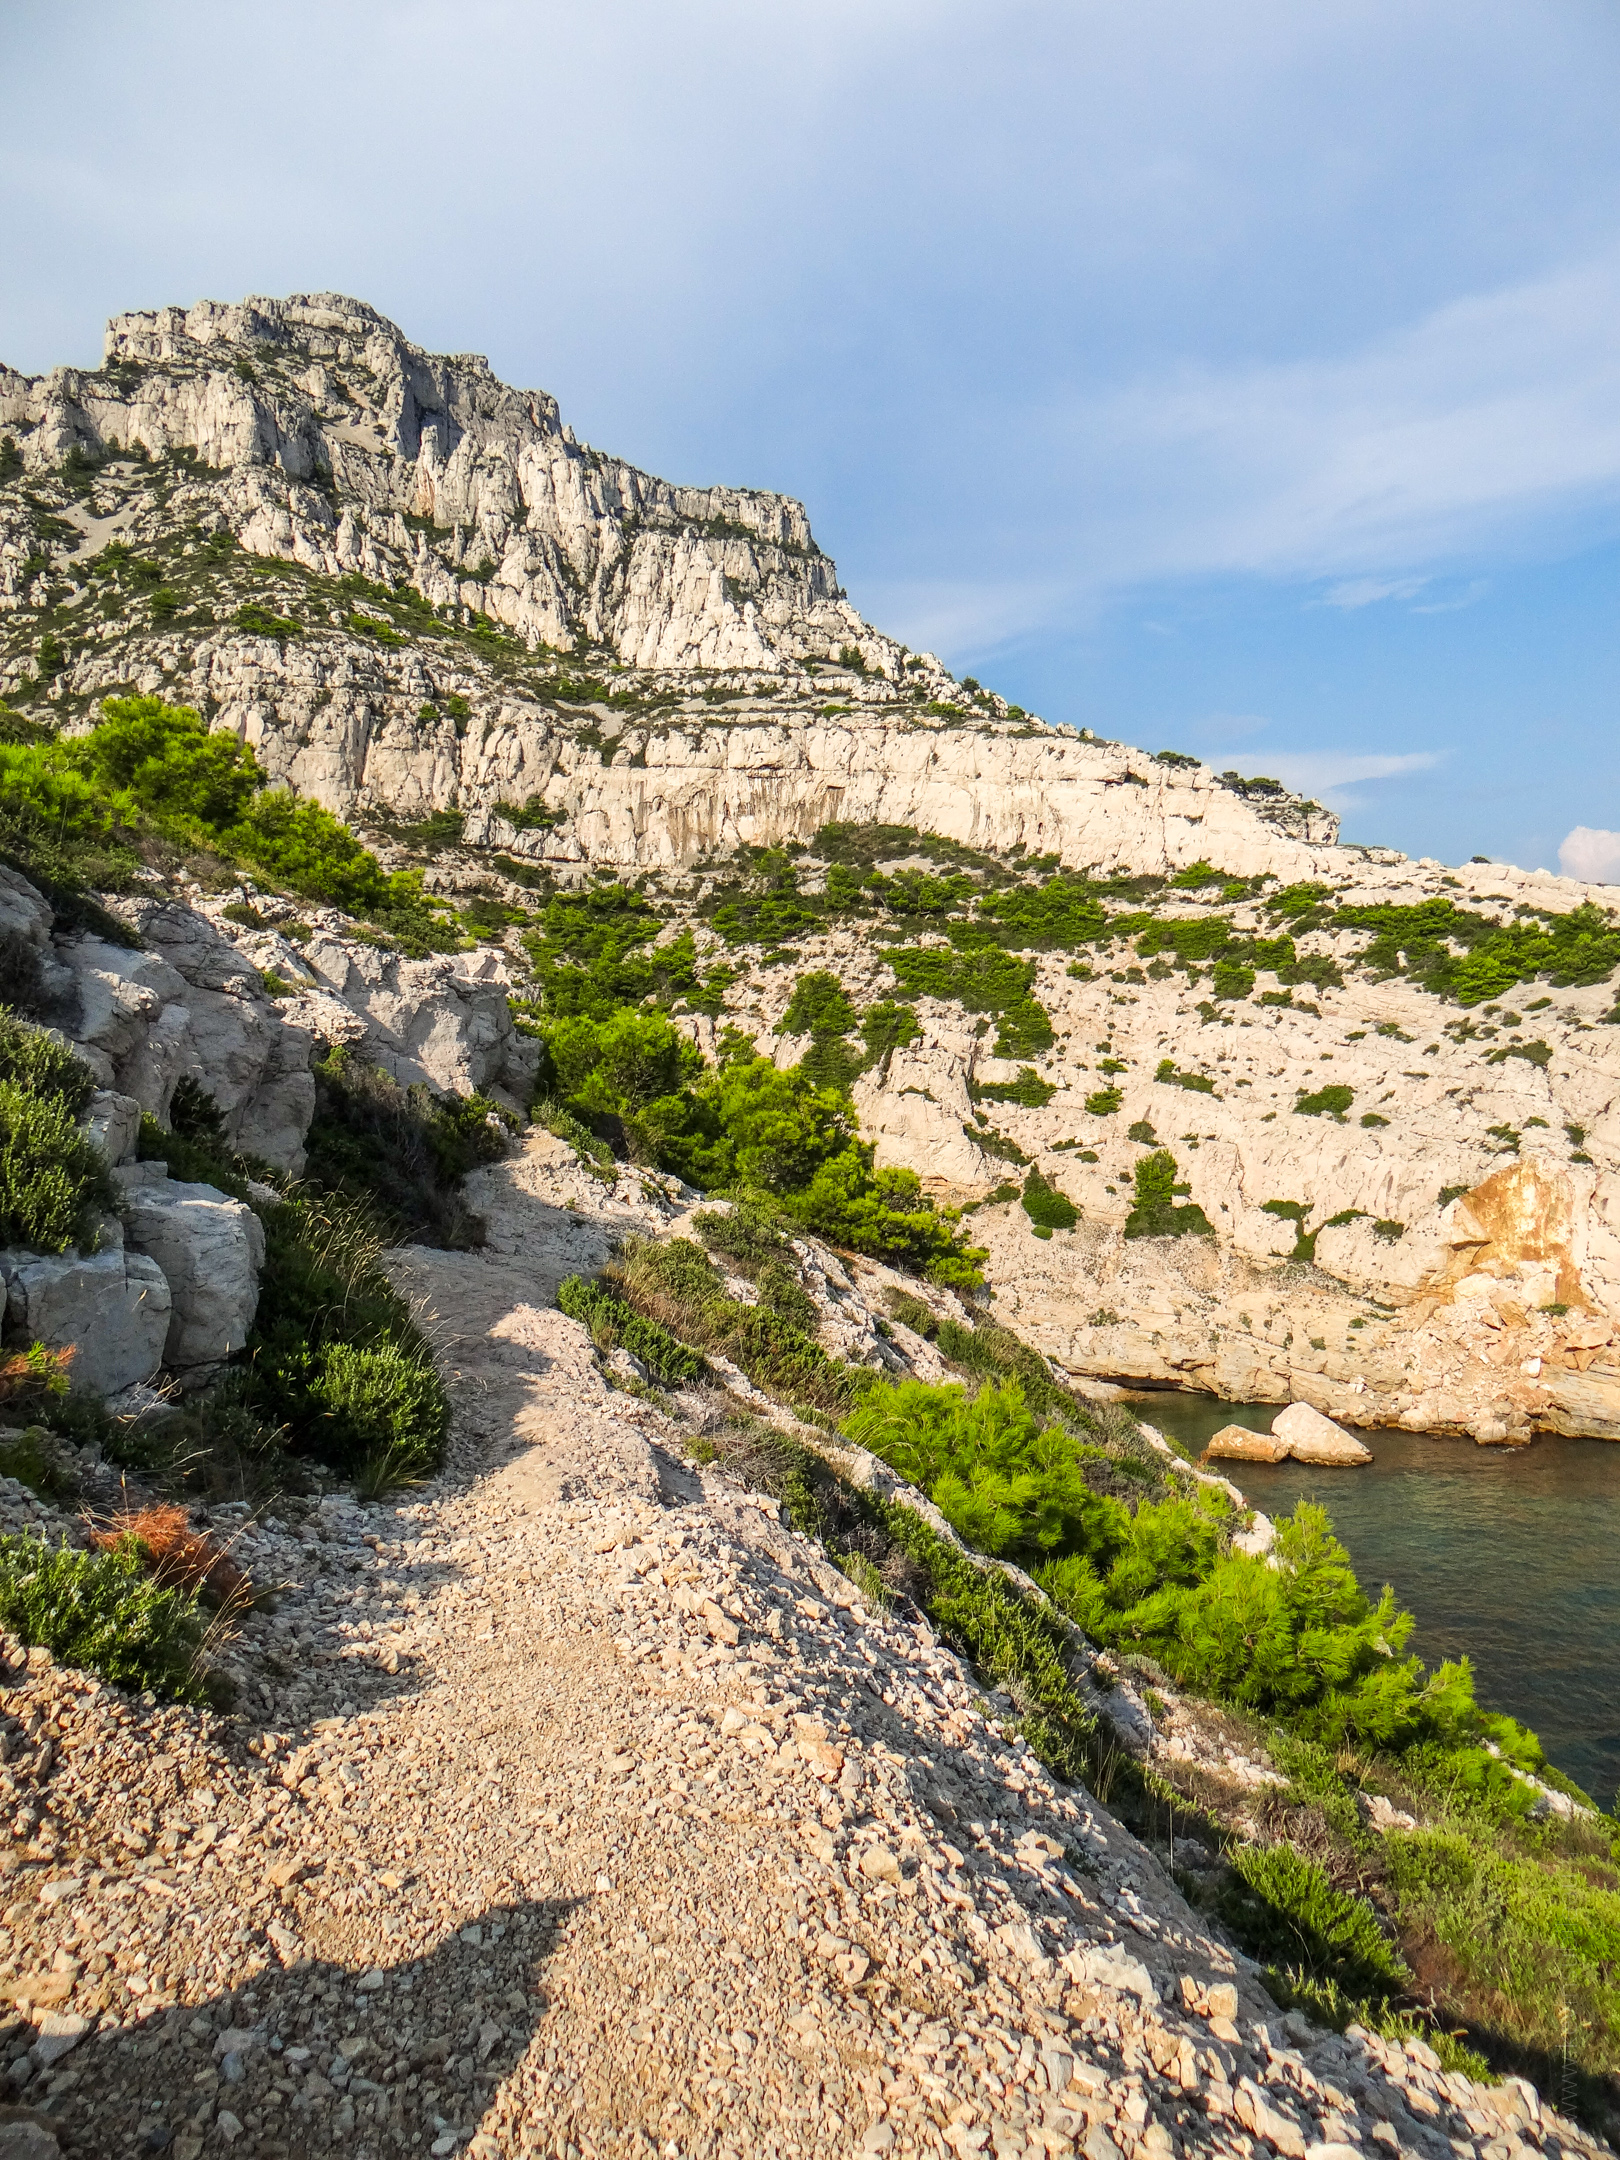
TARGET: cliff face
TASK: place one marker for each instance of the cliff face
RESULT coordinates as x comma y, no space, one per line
341,445
414,593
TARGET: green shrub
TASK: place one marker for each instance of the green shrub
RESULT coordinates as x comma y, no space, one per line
1004,1482
611,1321
78,809
1531,1929
54,1181
1331,1101
1155,1213
260,621
982,980
818,1007
747,1234
1029,1090
676,1284
324,1300
911,1312
1231,980
1291,1912
1047,1208
43,1065
102,1612
382,1409
783,1294
1421,940
405,1148
887,1027
1167,1075
1105,1101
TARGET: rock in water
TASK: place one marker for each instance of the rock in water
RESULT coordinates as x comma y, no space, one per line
1235,1443
1312,1438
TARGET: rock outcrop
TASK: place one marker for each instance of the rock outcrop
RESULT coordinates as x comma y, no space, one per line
519,663
110,1308
1313,1438
210,1249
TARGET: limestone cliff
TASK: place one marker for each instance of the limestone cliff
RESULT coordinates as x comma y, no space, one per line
519,661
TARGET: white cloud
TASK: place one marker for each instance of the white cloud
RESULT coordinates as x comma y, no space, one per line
1490,422
1364,592
1590,853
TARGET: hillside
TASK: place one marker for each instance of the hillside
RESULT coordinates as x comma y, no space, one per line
519,662
585,1146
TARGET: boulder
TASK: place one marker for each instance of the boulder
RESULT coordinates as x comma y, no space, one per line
113,1122
111,1308
444,1021
210,1249
1235,1443
1313,1438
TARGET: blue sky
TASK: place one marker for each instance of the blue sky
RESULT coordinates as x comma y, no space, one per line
1242,380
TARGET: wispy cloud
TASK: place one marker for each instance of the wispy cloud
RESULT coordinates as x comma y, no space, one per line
1367,591
1327,774
1491,423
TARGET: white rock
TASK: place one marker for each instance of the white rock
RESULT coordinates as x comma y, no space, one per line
113,1122
1108,1965
60,2032
111,1308
210,1249
1313,1438
1235,1443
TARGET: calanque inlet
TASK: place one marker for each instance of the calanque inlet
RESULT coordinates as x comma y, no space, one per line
691,1316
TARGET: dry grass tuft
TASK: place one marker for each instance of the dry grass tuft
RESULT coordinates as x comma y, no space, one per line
176,1556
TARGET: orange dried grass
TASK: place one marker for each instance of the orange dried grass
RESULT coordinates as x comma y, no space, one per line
176,1556
30,1375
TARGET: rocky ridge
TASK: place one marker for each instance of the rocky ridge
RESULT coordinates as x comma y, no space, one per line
418,597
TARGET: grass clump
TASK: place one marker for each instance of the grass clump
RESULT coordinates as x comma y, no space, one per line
1286,1909
677,1285
55,1185
101,1611
612,1321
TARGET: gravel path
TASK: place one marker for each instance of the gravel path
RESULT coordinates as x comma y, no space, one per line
587,1812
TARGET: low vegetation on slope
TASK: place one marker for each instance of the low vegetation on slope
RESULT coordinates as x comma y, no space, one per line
982,914
1494,1918
150,785
617,1065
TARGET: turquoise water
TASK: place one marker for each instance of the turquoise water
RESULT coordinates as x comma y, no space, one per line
1508,1556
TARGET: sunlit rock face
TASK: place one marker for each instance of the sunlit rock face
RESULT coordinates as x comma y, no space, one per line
520,663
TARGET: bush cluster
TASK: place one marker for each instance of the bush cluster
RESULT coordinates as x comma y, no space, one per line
80,812
627,1073
404,1149
677,1285
101,1611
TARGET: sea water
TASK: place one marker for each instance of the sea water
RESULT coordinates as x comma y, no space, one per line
1507,1556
